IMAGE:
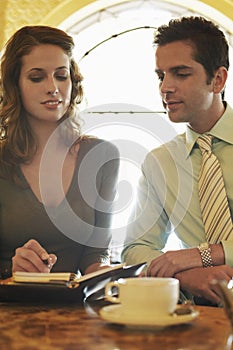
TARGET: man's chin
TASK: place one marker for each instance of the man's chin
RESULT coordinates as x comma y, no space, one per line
174,117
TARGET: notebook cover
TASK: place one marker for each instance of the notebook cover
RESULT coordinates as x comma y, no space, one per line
52,293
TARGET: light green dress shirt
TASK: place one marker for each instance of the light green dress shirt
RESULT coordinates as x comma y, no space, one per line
167,199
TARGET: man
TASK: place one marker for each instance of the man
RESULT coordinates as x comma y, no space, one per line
192,67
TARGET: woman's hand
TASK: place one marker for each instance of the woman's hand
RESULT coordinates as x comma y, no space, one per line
32,257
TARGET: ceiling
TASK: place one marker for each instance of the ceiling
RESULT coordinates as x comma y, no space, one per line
17,13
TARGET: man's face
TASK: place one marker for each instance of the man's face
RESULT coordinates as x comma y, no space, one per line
183,84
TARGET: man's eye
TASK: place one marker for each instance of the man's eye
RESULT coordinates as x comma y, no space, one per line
160,77
183,75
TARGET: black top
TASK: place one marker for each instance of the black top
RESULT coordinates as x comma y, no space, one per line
77,230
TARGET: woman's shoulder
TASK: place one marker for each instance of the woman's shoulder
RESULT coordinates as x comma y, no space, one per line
91,142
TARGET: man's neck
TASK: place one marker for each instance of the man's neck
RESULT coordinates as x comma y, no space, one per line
203,125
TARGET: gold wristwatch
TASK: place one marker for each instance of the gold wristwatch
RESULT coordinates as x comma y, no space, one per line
205,252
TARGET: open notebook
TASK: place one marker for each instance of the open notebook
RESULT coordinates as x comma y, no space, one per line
63,287
71,280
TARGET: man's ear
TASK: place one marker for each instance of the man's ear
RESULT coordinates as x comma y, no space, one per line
219,80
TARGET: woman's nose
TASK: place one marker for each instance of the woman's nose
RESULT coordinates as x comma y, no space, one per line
52,87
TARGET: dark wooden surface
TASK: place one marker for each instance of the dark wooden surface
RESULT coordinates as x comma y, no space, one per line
77,327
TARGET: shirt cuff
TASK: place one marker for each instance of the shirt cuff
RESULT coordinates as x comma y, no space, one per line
228,251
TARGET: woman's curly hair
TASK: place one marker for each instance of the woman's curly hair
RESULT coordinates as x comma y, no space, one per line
20,144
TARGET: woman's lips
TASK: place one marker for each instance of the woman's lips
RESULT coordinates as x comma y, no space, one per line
51,103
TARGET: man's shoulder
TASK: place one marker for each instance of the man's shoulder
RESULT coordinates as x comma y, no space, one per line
174,146
171,158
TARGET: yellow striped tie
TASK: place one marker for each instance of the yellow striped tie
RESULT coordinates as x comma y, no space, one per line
213,199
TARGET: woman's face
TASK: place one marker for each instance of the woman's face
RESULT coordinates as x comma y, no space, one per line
45,83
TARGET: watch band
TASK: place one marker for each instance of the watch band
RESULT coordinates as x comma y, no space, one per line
205,253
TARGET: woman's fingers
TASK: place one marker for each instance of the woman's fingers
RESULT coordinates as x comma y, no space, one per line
32,257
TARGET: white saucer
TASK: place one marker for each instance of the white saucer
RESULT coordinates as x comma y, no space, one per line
116,314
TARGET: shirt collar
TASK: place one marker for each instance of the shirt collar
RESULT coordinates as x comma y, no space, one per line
221,130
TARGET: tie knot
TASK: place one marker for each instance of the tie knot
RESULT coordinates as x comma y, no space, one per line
205,142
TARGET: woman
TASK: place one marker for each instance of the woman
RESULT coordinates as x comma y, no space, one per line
56,186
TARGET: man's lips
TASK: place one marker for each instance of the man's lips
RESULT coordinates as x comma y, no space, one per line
171,104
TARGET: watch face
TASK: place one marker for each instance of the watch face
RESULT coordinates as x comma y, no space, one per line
204,246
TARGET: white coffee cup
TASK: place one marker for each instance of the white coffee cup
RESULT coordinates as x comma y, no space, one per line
150,296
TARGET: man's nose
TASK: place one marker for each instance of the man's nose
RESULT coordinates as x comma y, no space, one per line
167,85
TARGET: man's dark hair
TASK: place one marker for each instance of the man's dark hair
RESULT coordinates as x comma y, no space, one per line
208,41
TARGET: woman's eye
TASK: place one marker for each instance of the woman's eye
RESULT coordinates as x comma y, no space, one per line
36,79
61,77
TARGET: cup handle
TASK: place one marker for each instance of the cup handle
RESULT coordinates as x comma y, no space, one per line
108,292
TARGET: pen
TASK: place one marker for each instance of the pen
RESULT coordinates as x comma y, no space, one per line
46,261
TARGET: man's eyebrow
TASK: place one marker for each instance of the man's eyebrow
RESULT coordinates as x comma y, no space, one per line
181,67
174,69
158,71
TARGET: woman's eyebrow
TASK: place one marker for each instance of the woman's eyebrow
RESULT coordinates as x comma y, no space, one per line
41,69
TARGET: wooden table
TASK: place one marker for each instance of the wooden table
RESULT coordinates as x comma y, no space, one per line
75,327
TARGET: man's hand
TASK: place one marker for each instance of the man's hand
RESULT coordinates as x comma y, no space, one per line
199,281
172,262
32,257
